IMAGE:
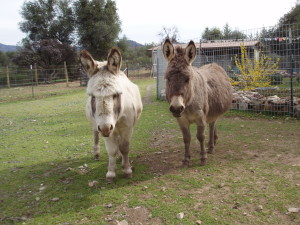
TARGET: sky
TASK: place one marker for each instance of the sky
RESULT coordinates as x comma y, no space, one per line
143,20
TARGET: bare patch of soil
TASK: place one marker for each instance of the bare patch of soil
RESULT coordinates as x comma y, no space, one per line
168,156
147,98
134,216
170,150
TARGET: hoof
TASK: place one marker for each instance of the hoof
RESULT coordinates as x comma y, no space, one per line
203,162
211,151
127,172
128,175
110,180
185,163
97,157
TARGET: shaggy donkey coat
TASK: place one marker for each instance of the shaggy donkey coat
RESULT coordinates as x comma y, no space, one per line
113,107
196,95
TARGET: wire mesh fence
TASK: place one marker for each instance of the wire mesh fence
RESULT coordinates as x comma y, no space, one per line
18,83
263,64
27,76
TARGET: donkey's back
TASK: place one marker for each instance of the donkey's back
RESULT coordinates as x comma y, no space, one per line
219,90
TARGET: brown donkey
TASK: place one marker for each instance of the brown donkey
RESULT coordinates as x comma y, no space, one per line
196,95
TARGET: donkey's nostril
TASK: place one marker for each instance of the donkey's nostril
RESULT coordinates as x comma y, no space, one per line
111,127
176,109
99,130
181,108
172,109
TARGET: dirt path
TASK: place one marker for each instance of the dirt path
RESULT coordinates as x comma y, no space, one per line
147,98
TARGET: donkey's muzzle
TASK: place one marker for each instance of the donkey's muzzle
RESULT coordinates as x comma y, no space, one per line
106,130
176,111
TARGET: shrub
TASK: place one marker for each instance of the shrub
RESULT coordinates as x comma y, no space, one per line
253,73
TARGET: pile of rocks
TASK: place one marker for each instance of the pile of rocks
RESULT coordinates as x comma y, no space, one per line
254,101
251,100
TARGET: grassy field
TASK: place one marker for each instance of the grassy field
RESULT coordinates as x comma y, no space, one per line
46,165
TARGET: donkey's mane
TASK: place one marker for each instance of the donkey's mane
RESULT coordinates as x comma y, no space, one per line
178,64
104,85
179,50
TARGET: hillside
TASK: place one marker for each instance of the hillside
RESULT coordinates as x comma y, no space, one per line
11,48
133,44
7,48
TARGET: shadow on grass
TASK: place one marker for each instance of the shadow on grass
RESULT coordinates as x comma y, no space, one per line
60,187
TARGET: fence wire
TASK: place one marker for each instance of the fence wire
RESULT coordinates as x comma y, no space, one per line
20,83
26,76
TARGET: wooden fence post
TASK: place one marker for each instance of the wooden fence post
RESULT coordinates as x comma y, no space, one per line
66,74
7,77
36,77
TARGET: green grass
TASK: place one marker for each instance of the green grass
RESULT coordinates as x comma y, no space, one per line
257,160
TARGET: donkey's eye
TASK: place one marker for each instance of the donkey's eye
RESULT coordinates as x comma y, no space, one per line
115,95
187,80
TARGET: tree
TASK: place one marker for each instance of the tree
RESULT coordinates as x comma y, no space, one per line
253,73
227,31
122,45
48,19
136,56
98,25
288,25
292,17
3,59
218,34
212,34
169,32
283,39
47,54
6,58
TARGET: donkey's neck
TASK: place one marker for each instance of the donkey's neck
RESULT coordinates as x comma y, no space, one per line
199,89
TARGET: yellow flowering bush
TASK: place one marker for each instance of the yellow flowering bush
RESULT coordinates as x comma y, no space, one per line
253,73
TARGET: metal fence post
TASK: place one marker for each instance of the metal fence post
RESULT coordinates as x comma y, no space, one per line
32,81
291,64
7,77
36,75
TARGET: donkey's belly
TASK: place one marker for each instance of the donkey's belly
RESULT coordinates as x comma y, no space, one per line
194,116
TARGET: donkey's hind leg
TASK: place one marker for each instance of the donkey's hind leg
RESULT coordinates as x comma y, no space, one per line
212,137
215,135
96,145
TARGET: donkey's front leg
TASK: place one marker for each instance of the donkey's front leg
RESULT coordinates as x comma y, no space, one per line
96,145
124,149
212,137
200,137
112,150
185,129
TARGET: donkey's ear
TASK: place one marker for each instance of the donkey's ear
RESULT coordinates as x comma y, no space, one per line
88,63
190,53
168,50
114,61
